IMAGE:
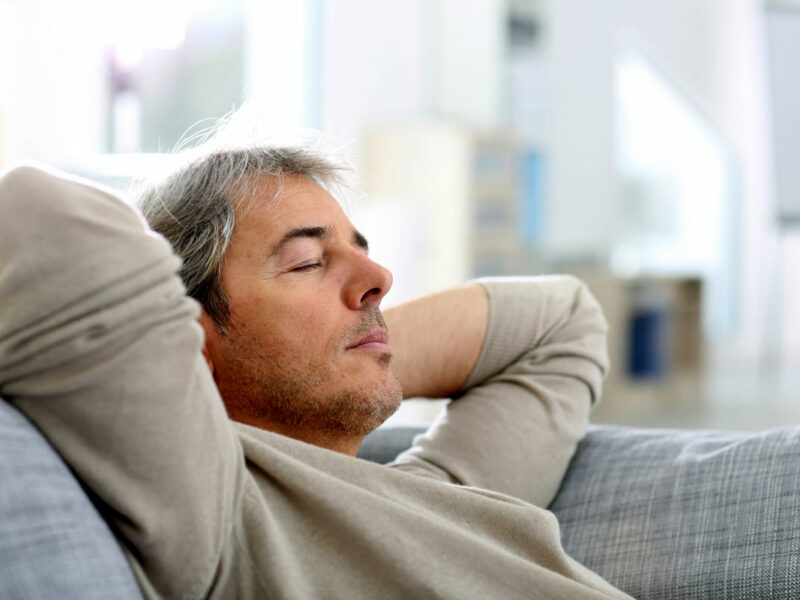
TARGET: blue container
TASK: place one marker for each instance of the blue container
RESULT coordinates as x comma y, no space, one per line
648,333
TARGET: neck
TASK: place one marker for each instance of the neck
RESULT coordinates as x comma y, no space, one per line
338,442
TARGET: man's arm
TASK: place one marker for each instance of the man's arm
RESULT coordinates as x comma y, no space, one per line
436,340
527,401
99,346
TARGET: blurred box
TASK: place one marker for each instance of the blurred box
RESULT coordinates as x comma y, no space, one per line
655,341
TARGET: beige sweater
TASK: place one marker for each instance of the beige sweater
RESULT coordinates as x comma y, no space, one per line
100,348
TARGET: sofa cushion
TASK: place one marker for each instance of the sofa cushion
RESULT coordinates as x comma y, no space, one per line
53,542
385,443
682,514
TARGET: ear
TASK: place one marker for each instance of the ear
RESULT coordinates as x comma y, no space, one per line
210,338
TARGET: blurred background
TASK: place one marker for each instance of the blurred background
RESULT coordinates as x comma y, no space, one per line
651,147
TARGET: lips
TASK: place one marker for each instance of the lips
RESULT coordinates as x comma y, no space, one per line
377,339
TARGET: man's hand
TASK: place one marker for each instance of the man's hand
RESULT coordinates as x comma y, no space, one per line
437,339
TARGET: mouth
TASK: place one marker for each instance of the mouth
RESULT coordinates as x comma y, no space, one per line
375,340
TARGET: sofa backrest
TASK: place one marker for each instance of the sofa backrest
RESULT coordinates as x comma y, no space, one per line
53,542
686,514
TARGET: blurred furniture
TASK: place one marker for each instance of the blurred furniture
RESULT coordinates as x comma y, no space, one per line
473,196
660,514
655,340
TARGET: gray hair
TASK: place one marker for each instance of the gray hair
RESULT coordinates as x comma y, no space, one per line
194,208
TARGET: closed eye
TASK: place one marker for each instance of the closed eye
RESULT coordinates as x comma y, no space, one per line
307,267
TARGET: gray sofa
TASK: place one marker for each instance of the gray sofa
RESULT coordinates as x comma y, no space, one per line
661,514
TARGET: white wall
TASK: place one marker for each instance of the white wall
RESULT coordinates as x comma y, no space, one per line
581,191
472,43
384,61
372,65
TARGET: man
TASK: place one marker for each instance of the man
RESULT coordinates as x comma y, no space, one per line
99,346
294,336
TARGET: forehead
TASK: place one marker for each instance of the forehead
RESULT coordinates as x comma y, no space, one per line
276,206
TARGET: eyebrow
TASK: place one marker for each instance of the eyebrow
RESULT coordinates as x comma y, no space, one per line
360,241
319,233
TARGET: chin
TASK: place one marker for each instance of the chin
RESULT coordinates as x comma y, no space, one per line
384,398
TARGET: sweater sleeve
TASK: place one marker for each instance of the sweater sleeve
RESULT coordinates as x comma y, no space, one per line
100,348
526,405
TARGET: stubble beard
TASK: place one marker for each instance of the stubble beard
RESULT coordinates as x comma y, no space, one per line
282,389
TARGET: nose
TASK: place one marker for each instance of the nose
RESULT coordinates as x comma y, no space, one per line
369,283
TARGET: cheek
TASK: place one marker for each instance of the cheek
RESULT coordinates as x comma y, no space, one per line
288,321
311,326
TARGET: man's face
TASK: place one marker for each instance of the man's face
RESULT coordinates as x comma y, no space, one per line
305,353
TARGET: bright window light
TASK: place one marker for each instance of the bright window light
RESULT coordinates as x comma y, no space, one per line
277,54
678,187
